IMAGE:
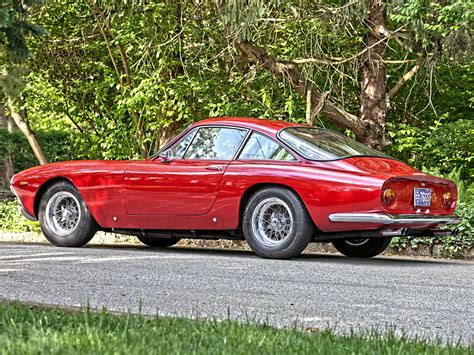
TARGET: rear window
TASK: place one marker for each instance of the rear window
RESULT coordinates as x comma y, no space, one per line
323,144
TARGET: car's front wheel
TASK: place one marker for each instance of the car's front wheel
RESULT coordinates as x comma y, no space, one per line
64,217
158,242
362,247
276,224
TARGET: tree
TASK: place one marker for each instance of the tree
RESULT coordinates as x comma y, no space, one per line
14,26
418,33
123,77
178,71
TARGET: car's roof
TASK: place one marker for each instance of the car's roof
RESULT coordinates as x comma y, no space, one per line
268,126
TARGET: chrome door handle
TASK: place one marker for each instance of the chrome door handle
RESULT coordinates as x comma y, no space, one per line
214,167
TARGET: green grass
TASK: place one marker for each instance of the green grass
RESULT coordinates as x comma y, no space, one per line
30,330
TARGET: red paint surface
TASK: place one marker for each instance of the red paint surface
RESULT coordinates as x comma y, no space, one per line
183,194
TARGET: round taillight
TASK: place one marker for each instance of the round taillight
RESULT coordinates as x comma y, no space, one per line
388,196
447,199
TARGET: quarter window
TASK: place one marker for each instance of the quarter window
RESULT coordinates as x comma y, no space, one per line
259,147
215,143
178,149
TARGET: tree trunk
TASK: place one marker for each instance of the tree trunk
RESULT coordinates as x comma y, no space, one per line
27,132
3,117
8,170
167,134
5,120
373,95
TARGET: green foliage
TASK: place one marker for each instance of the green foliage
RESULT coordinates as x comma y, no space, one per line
15,25
12,80
465,238
180,69
29,330
11,219
433,129
158,66
443,145
438,28
55,144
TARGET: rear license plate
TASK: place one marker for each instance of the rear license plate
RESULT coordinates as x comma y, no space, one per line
422,197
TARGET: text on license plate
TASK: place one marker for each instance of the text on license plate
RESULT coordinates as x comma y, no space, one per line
421,197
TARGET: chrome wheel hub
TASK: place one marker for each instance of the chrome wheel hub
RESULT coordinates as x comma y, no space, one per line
272,222
63,213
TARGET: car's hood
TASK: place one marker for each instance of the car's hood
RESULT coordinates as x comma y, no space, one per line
74,167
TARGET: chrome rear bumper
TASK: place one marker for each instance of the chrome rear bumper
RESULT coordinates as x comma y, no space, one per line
388,219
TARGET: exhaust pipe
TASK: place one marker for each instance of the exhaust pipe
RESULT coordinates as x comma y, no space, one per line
393,232
417,232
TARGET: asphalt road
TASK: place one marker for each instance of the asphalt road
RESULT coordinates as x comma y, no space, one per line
423,297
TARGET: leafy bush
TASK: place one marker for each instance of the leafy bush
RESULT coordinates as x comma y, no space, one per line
441,147
12,220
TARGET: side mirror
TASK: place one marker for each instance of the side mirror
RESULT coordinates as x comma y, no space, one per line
165,156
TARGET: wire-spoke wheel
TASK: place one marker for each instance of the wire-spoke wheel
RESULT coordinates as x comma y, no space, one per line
276,224
272,221
64,217
63,213
362,247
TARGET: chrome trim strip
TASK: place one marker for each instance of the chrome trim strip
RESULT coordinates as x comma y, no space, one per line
242,144
385,218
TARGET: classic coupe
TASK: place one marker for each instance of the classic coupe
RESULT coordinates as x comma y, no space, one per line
278,185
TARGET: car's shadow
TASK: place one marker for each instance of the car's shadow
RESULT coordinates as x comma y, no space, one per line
305,257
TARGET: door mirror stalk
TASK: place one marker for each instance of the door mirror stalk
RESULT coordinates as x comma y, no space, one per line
165,156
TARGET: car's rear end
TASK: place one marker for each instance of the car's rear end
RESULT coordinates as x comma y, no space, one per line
411,204
386,197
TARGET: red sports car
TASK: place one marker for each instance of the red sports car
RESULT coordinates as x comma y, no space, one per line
278,185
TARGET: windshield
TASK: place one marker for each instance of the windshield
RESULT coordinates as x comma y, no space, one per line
322,144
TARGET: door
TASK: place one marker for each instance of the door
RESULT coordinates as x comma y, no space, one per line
188,183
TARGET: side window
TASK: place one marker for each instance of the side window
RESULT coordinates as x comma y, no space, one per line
178,149
259,147
215,143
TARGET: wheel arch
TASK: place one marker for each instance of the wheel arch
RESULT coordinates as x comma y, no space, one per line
44,187
254,188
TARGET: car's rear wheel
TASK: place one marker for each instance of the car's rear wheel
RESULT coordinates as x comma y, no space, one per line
362,247
158,242
276,224
64,217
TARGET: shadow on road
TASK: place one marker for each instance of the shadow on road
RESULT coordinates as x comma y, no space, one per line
306,257
235,253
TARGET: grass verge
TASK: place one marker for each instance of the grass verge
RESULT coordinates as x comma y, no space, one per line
31,330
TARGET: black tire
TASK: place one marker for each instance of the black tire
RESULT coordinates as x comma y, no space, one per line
83,229
292,210
362,248
158,242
